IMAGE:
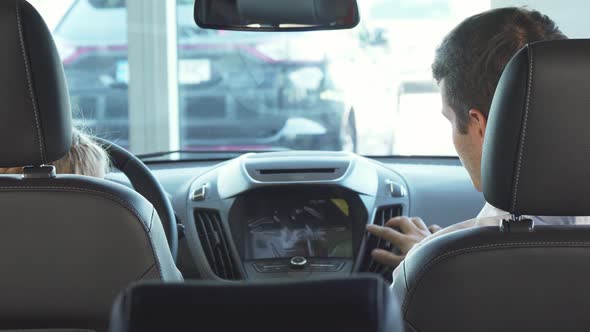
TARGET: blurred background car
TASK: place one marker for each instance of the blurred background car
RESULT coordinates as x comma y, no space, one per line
238,91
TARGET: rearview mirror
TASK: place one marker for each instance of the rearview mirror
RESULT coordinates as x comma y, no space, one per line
276,15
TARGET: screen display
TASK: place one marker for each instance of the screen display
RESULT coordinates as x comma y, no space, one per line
308,228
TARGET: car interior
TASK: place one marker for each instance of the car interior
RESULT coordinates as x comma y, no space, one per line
156,307
249,144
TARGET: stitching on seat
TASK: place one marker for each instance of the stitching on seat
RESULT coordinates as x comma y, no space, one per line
155,253
524,127
151,220
149,269
30,83
405,274
411,325
458,252
104,195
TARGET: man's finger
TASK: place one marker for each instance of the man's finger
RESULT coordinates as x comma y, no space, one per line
434,228
386,233
419,223
386,258
404,223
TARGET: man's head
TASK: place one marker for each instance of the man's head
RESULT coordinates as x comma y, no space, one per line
468,65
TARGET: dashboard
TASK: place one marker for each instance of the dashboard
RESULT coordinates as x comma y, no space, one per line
298,214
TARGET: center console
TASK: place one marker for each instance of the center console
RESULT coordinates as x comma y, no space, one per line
303,229
290,214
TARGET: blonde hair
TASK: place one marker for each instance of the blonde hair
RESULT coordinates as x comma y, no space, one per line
85,157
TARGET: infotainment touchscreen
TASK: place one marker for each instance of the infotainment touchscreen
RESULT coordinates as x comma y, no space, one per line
309,228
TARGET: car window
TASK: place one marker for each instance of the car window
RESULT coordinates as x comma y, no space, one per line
367,90
410,9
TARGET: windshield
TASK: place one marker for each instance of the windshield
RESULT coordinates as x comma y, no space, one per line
150,80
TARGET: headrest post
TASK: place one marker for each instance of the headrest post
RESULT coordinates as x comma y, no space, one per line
517,223
39,172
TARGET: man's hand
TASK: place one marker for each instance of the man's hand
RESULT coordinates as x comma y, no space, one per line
401,232
434,228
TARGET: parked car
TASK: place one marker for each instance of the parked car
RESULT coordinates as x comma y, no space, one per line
258,89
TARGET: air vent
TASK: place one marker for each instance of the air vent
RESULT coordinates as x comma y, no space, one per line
215,244
381,217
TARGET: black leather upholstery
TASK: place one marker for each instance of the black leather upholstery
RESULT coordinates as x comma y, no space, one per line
35,119
351,304
68,244
145,183
535,152
537,140
480,279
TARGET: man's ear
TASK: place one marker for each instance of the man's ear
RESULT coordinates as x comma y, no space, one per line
479,121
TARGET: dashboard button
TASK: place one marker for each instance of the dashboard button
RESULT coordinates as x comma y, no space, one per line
326,267
298,262
200,193
270,268
396,189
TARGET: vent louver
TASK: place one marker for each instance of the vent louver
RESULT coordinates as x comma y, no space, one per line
215,244
381,217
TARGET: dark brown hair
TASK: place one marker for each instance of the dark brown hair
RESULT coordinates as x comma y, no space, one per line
473,55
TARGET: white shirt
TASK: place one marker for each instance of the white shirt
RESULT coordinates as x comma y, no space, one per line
491,216
491,211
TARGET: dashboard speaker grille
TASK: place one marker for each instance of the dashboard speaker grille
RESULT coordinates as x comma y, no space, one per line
298,171
381,217
215,244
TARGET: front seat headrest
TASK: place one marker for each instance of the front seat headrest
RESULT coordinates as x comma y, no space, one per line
335,304
35,121
537,143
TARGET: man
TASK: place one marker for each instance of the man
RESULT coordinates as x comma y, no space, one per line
467,66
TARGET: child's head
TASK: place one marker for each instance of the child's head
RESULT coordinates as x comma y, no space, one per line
85,157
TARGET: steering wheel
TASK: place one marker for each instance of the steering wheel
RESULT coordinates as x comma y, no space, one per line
144,182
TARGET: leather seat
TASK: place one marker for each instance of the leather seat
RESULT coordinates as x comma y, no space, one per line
519,276
68,243
362,303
